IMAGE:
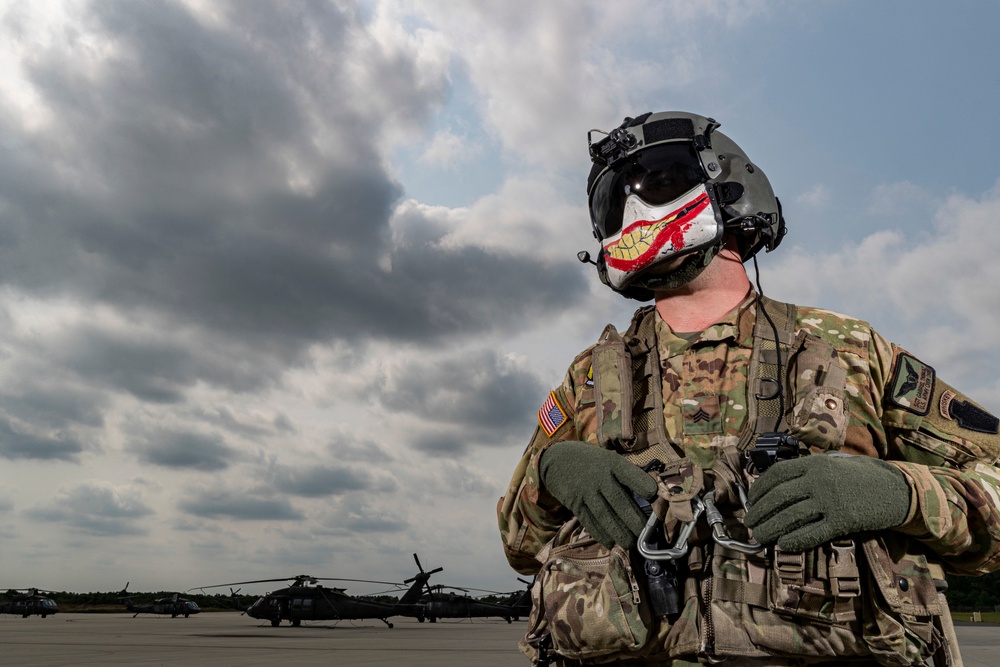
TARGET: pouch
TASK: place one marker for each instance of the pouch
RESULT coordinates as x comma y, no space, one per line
588,600
905,612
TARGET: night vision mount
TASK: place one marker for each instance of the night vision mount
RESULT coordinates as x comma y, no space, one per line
615,146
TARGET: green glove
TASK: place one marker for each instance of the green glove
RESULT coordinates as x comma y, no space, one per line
595,483
802,503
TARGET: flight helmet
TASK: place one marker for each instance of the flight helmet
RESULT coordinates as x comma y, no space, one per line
664,190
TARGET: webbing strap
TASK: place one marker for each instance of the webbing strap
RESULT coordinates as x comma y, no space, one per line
765,383
734,590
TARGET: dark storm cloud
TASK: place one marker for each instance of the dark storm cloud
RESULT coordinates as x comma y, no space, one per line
169,181
448,445
239,505
345,447
182,450
96,509
16,444
155,372
59,407
479,391
319,481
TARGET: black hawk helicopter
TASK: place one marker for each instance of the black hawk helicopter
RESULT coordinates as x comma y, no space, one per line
441,601
28,603
305,599
174,606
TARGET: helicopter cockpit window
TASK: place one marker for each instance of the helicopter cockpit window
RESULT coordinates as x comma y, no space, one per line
296,603
307,603
48,603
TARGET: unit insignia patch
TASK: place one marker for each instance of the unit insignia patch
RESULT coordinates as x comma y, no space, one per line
912,385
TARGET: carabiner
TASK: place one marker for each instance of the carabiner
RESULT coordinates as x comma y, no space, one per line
680,545
714,518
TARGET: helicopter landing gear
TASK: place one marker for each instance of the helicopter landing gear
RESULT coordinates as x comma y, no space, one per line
296,622
420,619
386,622
275,622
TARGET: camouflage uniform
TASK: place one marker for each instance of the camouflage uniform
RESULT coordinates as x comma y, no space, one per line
893,408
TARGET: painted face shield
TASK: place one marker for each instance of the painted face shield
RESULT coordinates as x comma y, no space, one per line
652,209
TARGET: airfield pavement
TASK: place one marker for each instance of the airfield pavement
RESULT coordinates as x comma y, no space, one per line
224,638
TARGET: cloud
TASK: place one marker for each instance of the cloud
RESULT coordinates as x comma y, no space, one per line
97,508
447,149
480,391
584,68
183,450
223,503
366,517
18,441
930,290
319,481
817,197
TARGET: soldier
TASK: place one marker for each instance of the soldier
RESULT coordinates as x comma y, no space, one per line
734,479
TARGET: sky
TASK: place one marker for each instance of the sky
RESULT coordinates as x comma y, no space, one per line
284,284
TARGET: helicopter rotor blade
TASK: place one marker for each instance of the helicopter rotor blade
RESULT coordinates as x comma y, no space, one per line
299,577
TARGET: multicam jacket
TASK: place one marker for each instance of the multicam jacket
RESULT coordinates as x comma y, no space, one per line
893,407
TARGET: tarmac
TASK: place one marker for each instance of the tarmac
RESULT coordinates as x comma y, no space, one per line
229,638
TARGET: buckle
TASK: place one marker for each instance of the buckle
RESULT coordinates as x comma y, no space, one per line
791,567
845,579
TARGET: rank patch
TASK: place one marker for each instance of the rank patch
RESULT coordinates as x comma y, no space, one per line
551,415
912,385
702,415
967,415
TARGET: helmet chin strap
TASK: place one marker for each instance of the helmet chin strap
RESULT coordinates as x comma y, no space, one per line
690,269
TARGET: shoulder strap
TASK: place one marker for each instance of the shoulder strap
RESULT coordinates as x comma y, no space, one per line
768,373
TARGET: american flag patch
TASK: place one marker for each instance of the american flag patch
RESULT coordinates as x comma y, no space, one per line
551,415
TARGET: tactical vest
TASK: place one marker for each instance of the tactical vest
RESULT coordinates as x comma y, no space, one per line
873,599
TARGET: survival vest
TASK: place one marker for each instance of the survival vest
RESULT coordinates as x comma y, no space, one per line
875,600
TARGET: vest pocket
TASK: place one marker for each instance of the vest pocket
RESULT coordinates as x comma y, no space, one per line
822,584
804,605
903,618
588,600
819,418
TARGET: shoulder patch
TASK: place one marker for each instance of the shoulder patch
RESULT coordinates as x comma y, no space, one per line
551,415
966,414
912,385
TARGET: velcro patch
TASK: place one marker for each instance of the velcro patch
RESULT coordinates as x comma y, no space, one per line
967,415
702,415
912,385
551,415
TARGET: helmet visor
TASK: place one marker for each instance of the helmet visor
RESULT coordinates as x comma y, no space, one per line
657,175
